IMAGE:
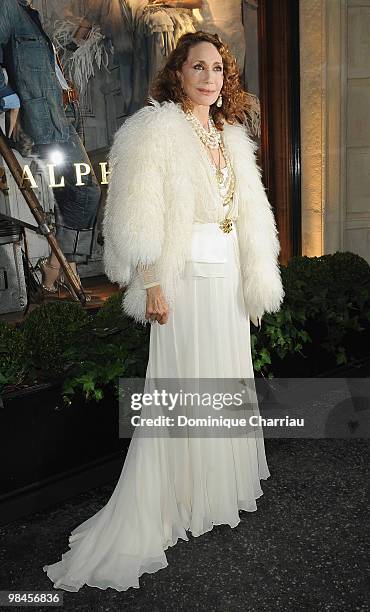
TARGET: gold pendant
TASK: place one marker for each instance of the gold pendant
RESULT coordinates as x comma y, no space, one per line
226,225
219,176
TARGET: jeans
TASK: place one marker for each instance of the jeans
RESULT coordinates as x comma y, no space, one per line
75,206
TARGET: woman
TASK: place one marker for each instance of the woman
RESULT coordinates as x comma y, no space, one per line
197,270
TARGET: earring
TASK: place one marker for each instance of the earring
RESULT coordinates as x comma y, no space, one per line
219,101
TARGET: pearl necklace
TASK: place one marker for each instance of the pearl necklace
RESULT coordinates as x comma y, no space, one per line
211,138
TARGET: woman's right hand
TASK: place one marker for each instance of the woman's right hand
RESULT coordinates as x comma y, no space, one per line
156,306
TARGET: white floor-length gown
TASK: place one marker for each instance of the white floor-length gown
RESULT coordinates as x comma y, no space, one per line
169,486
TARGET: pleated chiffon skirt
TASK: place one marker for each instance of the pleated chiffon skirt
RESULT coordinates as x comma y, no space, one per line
170,486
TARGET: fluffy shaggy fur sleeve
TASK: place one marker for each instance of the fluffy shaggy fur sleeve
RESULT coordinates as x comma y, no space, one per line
259,242
133,221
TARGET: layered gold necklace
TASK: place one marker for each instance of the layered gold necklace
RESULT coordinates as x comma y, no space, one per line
212,139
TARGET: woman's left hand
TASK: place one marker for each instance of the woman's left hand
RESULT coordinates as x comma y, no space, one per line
156,305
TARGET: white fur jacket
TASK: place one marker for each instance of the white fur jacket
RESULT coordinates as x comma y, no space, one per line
157,172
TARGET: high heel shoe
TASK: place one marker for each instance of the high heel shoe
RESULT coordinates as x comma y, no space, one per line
63,282
60,283
40,265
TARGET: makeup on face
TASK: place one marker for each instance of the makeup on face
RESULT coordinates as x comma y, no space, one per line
202,74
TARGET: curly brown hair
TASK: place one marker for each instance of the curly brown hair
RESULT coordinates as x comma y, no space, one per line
166,86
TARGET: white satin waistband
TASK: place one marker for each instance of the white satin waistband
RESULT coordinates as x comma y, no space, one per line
209,243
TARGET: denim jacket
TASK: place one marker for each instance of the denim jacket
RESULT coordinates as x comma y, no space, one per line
28,57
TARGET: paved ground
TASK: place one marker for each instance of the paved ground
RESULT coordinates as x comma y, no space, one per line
304,549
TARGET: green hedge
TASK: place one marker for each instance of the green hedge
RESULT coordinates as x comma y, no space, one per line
13,357
325,313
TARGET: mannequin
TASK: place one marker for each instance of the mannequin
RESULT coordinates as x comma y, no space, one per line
36,77
225,17
143,34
